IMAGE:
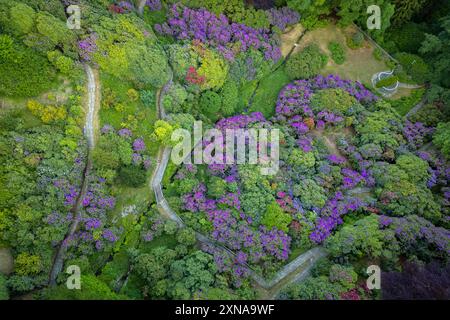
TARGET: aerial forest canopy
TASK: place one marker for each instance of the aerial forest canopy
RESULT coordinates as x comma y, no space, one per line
93,92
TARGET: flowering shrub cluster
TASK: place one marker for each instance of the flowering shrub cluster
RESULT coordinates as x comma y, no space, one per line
184,23
294,101
282,17
416,134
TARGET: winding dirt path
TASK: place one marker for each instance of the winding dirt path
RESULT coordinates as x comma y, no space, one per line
294,271
93,100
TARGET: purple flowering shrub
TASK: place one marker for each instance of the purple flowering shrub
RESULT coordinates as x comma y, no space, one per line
185,23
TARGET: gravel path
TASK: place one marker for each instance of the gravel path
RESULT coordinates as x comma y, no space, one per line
294,271
92,101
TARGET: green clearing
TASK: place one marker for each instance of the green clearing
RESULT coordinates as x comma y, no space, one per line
360,64
267,93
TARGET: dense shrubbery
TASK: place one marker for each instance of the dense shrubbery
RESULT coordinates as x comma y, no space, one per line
306,63
337,52
353,174
23,72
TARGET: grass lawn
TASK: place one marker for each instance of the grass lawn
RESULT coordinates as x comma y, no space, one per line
127,196
266,96
404,103
360,64
289,37
165,240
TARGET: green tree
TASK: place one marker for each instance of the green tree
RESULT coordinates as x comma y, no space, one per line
363,238
306,63
276,217
310,193
21,19
441,138
311,10
405,9
210,104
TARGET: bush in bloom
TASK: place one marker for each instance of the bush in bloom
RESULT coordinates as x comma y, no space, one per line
184,23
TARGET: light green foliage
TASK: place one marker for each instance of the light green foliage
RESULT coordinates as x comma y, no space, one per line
182,120
256,192
21,19
216,187
337,52
230,95
154,266
319,288
302,159
276,217
186,236
26,264
112,151
404,189
356,11
387,82
236,10
336,100
214,69
364,238
163,132
92,288
195,272
441,138
310,193
381,127
55,31
148,65
23,73
306,63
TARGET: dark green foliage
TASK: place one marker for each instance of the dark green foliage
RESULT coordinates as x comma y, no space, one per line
430,115
4,295
355,40
441,138
132,176
414,66
407,38
306,63
406,9
210,104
